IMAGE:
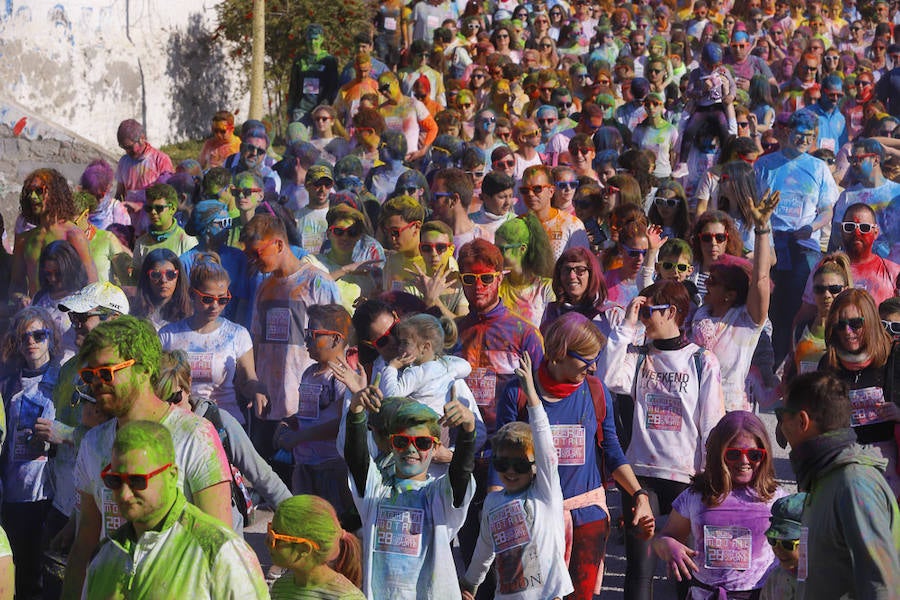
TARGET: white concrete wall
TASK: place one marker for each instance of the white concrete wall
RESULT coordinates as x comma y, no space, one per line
89,64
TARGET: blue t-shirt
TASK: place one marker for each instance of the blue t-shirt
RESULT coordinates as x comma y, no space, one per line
573,424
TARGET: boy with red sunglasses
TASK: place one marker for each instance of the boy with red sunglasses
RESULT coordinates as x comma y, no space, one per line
409,518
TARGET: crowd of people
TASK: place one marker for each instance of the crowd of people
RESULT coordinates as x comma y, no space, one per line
509,257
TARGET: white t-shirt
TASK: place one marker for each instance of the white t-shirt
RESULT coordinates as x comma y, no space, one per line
407,529
213,357
732,338
313,227
674,406
198,453
524,532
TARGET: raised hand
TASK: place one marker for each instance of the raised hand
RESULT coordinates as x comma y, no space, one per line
456,414
526,377
354,379
761,212
655,238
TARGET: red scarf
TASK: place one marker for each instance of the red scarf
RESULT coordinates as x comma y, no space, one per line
557,389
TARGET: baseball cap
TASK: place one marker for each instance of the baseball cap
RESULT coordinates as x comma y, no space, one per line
317,172
786,515
100,294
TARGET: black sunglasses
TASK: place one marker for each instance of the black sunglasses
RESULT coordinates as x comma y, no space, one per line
519,465
855,324
789,545
834,290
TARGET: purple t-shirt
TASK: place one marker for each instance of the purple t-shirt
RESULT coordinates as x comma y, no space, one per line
730,539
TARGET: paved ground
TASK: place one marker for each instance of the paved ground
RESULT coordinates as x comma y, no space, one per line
615,553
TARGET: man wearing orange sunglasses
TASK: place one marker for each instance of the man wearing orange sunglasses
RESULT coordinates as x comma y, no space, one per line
188,553
121,359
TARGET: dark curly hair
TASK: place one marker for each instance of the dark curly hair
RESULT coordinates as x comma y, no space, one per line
58,203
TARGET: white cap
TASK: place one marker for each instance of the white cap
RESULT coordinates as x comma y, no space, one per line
96,295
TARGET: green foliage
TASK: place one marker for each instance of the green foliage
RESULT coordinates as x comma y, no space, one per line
286,22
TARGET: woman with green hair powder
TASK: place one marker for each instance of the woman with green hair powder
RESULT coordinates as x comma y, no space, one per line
322,560
528,259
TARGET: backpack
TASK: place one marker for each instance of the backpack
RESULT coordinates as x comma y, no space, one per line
240,497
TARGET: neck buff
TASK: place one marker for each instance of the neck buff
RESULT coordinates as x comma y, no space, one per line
557,389
161,236
810,457
854,362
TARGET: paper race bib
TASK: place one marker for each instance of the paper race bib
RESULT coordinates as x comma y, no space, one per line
803,561
827,144
390,24
433,21
569,443
483,383
509,526
313,240
201,365
311,85
790,208
278,324
727,547
309,401
864,405
110,512
663,412
398,530
22,452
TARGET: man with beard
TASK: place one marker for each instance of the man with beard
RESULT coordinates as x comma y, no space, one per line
165,543
808,192
491,339
252,157
122,360
832,124
875,190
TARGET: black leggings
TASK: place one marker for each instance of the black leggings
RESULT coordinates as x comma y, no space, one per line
641,560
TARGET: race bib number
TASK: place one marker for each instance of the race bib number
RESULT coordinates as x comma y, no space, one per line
311,85
790,207
727,547
398,530
22,451
803,561
483,383
313,240
201,365
390,24
309,401
826,144
278,324
509,526
663,412
110,511
864,405
569,443
433,21
394,123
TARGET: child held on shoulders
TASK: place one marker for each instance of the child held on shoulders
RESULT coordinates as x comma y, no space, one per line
409,517
423,373
522,526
